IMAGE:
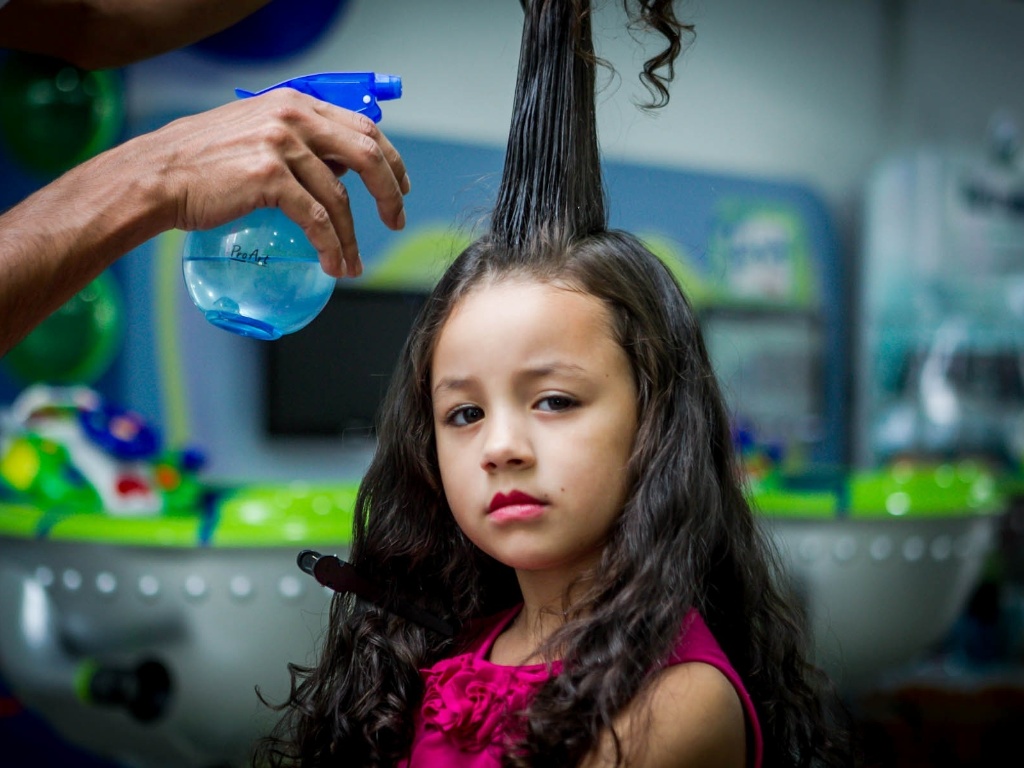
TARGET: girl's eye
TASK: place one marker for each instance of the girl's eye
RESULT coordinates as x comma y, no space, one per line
464,415
556,403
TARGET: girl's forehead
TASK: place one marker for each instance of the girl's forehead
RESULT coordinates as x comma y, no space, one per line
524,317
510,284
511,300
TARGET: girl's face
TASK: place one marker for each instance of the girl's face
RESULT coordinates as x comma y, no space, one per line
535,412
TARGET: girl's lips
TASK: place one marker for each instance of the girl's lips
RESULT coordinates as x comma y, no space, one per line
511,498
514,513
515,506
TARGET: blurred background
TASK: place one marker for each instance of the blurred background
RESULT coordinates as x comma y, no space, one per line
837,184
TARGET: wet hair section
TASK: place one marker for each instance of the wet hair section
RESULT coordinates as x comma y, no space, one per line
552,193
551,186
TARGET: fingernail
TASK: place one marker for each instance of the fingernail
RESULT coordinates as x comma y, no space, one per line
406,185
401,219
342,268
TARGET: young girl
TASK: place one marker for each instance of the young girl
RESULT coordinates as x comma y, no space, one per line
555,479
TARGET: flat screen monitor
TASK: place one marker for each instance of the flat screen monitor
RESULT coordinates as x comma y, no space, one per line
329,378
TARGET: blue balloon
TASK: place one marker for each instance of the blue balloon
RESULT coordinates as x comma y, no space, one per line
278,30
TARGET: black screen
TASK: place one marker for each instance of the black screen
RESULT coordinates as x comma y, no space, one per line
330,377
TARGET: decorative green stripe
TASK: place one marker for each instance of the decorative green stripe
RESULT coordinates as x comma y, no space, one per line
279,515
295,514
21,521
166,285
167,530
917,491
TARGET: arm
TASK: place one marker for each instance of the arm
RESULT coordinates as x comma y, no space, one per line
692,716
282,149
98,34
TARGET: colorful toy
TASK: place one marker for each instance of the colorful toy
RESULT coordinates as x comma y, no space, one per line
65,449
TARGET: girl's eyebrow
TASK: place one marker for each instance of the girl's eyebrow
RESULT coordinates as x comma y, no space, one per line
561,368
571,370
451,384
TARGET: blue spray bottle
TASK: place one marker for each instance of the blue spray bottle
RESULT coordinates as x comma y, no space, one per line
259,276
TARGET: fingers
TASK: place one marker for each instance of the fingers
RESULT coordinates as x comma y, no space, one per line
395,161
282,149
361,146
320,205
344,140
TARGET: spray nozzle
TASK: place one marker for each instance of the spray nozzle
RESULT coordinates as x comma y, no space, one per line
355,91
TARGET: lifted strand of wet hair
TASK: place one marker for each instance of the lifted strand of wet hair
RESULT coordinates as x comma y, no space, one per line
551,185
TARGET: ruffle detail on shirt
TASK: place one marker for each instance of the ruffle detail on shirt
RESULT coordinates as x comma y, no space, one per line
473,702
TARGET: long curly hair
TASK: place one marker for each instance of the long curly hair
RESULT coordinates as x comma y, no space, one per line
686,537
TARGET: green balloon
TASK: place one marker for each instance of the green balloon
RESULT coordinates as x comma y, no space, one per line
54,115
77,343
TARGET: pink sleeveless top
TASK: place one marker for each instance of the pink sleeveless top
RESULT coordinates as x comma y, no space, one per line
463,720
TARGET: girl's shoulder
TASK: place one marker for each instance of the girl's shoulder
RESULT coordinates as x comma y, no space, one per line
699,682
696,711
691,716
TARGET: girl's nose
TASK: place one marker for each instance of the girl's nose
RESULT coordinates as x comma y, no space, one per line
506,446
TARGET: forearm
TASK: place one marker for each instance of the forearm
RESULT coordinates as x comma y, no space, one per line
60,238
99,34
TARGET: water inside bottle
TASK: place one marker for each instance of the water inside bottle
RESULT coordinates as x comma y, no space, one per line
261,280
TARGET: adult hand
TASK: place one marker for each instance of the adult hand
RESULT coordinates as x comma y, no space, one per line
281,149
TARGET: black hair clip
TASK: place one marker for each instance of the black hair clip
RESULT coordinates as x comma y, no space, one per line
340,576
